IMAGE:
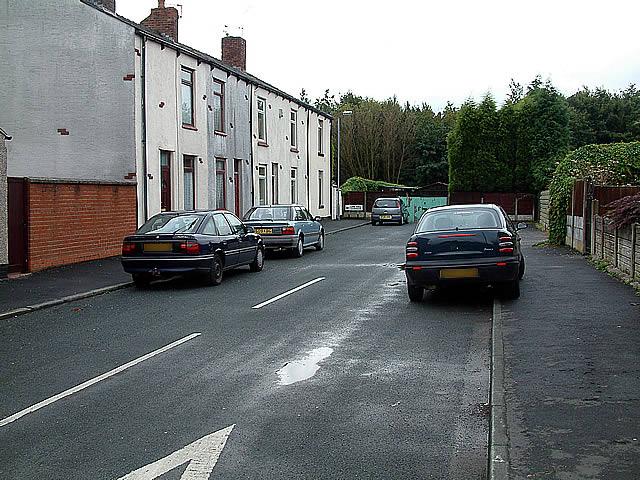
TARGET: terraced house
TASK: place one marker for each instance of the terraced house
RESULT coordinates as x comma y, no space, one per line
115,121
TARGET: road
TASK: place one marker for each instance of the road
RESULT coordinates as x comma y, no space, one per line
395,390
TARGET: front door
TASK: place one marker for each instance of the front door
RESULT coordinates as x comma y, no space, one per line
165,181
17,223
237,167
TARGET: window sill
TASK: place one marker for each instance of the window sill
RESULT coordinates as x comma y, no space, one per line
189,127
320,206
222,134
262,144
320,154
294,150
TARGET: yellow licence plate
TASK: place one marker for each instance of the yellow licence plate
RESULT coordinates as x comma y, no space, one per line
264,231
385,217
158,247
459,273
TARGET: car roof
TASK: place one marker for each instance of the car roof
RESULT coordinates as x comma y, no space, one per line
388,198
488,206
194,212
280,205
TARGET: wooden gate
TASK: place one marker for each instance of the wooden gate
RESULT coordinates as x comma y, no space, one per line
17,203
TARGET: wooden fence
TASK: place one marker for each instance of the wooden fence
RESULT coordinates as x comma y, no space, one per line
543,209
519,206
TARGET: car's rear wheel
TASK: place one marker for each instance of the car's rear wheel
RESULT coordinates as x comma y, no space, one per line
374,223
320,244
416,293
298,251
258,262
521,270
141,280
214,275
510,290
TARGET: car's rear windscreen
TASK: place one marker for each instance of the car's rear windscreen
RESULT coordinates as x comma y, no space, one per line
170,223
459,219
269,213
386,203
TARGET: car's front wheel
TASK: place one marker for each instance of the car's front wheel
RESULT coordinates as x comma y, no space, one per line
214,275
258,262
374,223
416,293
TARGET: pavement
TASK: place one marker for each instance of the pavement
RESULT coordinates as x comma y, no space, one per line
571,371
342,378
53,286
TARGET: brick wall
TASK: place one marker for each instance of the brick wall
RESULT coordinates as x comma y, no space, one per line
76,222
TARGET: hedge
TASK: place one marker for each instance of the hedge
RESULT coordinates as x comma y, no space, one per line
611,164
359,184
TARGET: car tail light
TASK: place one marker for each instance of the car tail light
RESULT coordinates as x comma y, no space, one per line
288,231
506,250
412,250
128,248
501,264
191,248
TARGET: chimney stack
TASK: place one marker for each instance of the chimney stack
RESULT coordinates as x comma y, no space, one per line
107,4
234,52
163,20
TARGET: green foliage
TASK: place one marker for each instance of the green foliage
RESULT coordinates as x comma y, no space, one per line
359,184
613,164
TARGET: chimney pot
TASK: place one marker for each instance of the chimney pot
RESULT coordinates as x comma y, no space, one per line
163,20
234,52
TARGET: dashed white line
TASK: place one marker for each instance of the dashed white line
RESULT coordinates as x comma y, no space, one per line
93,381
282,295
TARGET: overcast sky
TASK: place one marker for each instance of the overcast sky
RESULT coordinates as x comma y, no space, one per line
419,50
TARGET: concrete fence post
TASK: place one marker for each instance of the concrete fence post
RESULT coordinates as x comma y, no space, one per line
633,250
602,237
615,248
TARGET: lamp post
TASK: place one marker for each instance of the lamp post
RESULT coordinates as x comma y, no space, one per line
345,113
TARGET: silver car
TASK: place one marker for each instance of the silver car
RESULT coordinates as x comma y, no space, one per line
286,227
387,210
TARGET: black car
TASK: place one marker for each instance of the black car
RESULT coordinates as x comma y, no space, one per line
464,243
199,242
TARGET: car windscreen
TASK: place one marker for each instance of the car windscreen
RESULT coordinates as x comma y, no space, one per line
167,223
386,203
269,213
459,219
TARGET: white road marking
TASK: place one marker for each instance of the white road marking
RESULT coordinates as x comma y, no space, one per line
282,295
202,456
93,381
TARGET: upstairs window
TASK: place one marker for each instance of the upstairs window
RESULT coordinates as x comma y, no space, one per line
321,137
294,129
186,80
218,106
262,120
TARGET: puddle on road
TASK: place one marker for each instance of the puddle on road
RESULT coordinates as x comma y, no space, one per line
303,369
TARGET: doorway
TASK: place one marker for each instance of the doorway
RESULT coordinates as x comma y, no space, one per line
17,207
237,185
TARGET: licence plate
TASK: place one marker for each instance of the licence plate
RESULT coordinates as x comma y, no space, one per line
264,231
459,273
385,217
158,247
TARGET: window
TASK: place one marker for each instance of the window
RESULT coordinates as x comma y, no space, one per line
222,225
189,182
321,137
294,185
262,184
467,218
320,189
186,80
210,228
218,106
294,129
262,120
300,215
221,173
167,223
269,213
236,225
274,183
165,180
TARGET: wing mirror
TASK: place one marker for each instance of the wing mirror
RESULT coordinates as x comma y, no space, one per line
317,219
249,229
521,226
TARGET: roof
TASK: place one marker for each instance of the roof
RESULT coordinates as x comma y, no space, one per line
206,58
465,205
5,135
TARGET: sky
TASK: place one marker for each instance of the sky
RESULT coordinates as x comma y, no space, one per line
420,51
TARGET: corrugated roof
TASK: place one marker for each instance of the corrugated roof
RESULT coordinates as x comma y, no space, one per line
206,58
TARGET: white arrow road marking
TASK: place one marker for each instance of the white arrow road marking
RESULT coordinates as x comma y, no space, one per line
282,295
202,456
93,381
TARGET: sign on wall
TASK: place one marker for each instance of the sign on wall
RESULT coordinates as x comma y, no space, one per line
354,208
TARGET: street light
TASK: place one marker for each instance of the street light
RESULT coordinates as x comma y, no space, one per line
345,113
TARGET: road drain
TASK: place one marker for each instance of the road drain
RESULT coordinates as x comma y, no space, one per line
303,369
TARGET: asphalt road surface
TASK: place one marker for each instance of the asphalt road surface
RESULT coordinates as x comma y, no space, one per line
343,378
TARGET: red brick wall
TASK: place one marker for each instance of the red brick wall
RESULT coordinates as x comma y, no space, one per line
163,20
234,52
70,223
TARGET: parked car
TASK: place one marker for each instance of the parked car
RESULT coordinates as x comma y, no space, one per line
464,243
199,242
286,227
387,210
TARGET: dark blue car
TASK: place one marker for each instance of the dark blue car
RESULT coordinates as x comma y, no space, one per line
199,242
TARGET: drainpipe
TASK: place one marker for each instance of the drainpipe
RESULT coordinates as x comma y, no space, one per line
251,88
143,78
308,164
